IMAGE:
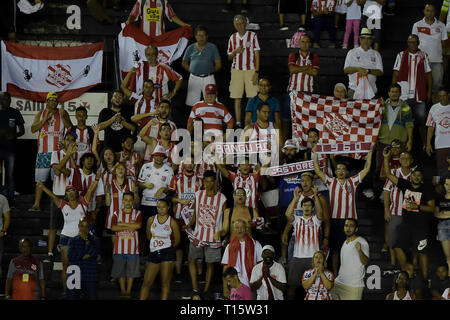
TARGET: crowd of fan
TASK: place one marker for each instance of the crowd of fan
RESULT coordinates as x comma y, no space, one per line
131,187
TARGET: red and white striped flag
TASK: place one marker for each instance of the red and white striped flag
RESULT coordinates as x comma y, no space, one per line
337,120
133,41
31,72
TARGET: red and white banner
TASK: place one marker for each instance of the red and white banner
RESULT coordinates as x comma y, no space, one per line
346,147
337,120
31,72
133,41
242,147
291,168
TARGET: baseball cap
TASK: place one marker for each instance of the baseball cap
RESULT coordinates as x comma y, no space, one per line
268,247
365,32
53,95
70,186
290,143
210,89
71,133
159,151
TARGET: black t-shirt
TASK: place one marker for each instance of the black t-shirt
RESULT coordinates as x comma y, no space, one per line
443,204
116,131
439,285
420,196
10,119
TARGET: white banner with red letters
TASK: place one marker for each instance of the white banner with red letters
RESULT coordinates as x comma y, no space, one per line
133,41
31,72
337,120
248,147
346,147
291,168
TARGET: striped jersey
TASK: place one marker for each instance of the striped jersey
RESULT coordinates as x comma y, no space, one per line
142,105
320,5
116,199
168,151
250,185
51,133
161,234
152,17
86,182
298,207
306,233
301,81
396,195
213,115
185,188
61,182
83,141
126,241
317,291
130,164
208,211
154,131
246,59
342,197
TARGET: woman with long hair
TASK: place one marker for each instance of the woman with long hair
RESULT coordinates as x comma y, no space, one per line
318,281
401,288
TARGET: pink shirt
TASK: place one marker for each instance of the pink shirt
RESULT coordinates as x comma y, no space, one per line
242,293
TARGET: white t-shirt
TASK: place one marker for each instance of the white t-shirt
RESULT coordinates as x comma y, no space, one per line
354,11
352,271
72,217
277,272
430,37
439,118
159,177
369,59
240,262
373,9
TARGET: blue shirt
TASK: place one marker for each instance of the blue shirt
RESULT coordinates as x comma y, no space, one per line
77,248
201,62
252,106
286,188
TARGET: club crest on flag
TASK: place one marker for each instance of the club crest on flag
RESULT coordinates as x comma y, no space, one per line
59,75
337,124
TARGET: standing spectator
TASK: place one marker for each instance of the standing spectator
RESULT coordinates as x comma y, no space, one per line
165,141
201,60
432,35
415,229
244,51
132,160
439,282
25,279
51,124
84,133
239,291
363,65
82,251
5,221
413,73
265,97
340,90
322,16
116,121
268,277
445,18
442,213
401,289
318,281
372,18
125,224
211,112
349,283
11,127
353,20
164,236
300,7
151,13
438,122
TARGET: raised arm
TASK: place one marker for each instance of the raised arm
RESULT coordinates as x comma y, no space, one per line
96,128
387,171
318,204
93,187
126,81
56,200
363,173
37,123
317,169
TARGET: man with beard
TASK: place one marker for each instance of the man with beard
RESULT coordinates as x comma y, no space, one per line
116,121
162,114
268,277
164,141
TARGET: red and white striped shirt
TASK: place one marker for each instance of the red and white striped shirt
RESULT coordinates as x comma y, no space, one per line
154,131
320,5
301,81
250,43
61,182
213,115
116,199
317,291
130,164
208,210
250,185
152,17
185,188
106,175
342,197
306,232
161,235
51,133
86,182
298,211
142,105
83,141
126,241
396,195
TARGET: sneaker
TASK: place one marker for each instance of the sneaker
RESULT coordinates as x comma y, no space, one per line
284,28
301,29
49,258
238,125
253,26
344,47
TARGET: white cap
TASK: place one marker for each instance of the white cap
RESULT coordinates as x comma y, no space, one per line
268,247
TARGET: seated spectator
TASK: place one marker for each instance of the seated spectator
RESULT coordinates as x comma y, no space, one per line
323,16
239,291
265,97
401,289
353,20
268,277
25,279
372,19
82,251
439,282
363,65
151,14
340,91
442,213
318,281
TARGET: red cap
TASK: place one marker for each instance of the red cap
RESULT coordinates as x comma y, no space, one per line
210,89
70,186
159,151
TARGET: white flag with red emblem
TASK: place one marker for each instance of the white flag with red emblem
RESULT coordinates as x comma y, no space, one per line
133,41
31,72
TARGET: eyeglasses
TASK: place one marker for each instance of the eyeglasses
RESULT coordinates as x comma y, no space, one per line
52,99
240,194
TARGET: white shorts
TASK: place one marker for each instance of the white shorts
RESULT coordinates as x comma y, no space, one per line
139,147
41,174
196,86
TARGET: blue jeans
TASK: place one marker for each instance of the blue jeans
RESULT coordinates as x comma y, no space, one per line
8,158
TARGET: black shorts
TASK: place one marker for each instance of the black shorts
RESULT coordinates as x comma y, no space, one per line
164,255
414,233
337,235
56,217
289,6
